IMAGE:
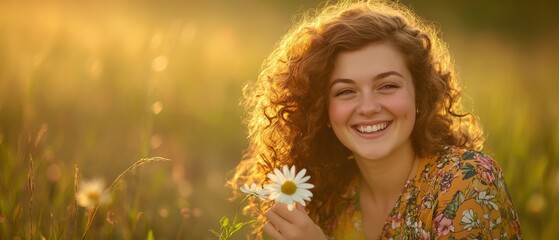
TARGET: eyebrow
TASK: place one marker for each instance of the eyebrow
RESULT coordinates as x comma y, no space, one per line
377,77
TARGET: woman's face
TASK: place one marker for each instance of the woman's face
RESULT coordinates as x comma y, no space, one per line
372,101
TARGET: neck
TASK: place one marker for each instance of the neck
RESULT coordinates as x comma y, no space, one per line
386,177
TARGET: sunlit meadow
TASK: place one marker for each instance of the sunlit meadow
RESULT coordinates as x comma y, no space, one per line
88,89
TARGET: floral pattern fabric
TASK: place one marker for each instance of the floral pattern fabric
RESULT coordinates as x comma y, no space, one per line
458,195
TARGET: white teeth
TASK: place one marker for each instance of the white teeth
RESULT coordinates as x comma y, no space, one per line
372,128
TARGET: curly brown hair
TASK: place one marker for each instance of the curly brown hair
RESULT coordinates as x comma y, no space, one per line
287,106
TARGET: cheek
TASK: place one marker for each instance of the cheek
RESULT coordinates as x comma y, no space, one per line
403,106
336,112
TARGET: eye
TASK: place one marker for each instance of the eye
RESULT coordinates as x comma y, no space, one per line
343,92
389,86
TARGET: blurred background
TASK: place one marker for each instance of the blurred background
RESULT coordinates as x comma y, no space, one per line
97,85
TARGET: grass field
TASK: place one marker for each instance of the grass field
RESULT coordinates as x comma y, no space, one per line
87,90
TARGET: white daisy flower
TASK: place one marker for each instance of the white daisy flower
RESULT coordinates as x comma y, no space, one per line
90,193
254,190
288,187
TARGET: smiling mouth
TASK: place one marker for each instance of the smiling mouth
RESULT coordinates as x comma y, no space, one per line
371,128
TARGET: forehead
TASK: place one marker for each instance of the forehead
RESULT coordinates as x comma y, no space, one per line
372,59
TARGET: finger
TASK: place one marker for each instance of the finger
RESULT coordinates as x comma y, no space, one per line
283,210
300,208
279,222
295,216
272,231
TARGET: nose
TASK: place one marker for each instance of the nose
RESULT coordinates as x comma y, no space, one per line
368,104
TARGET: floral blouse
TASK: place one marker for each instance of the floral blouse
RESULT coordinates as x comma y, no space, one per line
458,195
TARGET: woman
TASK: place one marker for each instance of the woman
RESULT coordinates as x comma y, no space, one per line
364,96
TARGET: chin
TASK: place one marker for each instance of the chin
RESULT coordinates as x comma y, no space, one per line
372,155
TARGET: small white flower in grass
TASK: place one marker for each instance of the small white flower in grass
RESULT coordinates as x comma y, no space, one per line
289,187
91,193
254,190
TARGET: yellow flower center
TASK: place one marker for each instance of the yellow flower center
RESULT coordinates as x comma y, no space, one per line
93,196
288,187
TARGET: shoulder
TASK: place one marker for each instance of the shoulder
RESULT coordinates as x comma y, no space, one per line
460,172
455,155
471,197
469,165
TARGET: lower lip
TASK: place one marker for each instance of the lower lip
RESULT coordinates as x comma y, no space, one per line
372,135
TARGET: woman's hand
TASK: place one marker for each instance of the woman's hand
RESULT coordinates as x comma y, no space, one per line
291,225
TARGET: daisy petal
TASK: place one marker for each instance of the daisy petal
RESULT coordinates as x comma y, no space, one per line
304,192
297,198
305,179
292,172
290,207
273,177
286,172
300,176
273,195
